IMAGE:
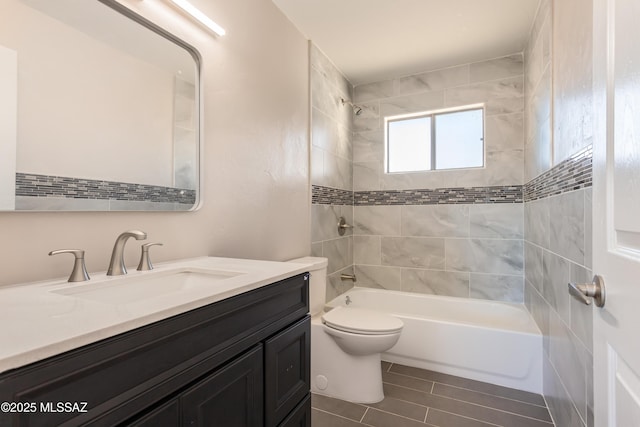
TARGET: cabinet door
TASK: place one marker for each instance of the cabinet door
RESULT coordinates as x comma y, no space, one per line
301,415
287,371
165,415
231,396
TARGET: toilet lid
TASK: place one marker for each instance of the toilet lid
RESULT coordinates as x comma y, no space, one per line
361,321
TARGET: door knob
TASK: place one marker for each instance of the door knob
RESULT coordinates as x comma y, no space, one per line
585,292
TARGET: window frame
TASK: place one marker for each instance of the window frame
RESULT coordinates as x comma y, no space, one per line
432,114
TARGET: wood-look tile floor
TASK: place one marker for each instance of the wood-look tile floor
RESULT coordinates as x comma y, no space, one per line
418,398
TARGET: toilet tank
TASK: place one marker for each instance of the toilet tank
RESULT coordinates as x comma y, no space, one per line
317,268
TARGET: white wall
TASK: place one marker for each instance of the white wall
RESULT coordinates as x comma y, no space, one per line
255,157
8,113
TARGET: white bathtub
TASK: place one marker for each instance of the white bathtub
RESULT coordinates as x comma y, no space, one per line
488,341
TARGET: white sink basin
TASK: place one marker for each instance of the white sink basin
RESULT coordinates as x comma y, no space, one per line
124,290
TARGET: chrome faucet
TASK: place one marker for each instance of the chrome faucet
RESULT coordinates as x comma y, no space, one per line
116,265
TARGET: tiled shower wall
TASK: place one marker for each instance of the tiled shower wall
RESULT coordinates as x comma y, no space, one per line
441,246
557,228
331,170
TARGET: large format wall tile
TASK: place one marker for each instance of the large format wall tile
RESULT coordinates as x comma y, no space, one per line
432,80
329,135
366,176
338,172
572,77
377,220
496,287
485,91
496,83
378,277
328,72
436,220
368,146
435,282
569,357
497,220
412,103
376,90
554,235
533,271
504,257
566,213
536,222
324,221
339,253
559,403
409,236
421,252
507,66
331,167
367,250
504,132
539,310
557,273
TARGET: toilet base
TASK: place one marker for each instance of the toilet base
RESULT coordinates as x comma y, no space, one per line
337,374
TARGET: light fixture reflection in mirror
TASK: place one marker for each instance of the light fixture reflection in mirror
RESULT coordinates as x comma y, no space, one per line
107,109
197,14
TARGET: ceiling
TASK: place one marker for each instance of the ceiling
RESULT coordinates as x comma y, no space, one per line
373,40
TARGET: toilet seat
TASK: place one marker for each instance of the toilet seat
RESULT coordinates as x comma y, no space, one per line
361,321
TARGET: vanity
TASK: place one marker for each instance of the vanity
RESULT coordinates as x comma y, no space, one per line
220,342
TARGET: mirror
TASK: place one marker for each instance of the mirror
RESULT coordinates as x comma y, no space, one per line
99,110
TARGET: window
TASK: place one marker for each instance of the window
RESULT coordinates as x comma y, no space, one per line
435,140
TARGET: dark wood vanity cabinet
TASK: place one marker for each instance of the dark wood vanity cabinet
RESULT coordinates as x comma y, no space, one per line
240,362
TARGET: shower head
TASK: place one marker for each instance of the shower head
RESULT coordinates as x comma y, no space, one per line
357,110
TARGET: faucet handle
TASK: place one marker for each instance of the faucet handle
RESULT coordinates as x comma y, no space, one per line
145,261
79,272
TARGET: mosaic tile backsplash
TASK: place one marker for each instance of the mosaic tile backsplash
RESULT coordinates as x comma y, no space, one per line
34,185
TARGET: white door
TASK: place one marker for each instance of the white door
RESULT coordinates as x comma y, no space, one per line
616,225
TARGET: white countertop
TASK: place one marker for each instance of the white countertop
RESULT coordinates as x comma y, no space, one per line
36,322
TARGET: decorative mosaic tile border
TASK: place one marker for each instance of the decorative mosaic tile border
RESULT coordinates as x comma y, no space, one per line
330,196
441,196
33,185
572,174
474,195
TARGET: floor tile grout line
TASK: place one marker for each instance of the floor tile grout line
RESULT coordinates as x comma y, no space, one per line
337,415
470,389
464,401
397,415
469,418
462,388
497,409
426,415
493,395
363,415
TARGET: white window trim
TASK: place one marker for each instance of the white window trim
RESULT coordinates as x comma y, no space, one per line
432,113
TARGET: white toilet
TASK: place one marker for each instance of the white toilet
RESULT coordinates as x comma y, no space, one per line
346,343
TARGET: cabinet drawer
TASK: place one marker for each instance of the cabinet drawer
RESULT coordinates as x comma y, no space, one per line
300,416
124,375
231,396
287,371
